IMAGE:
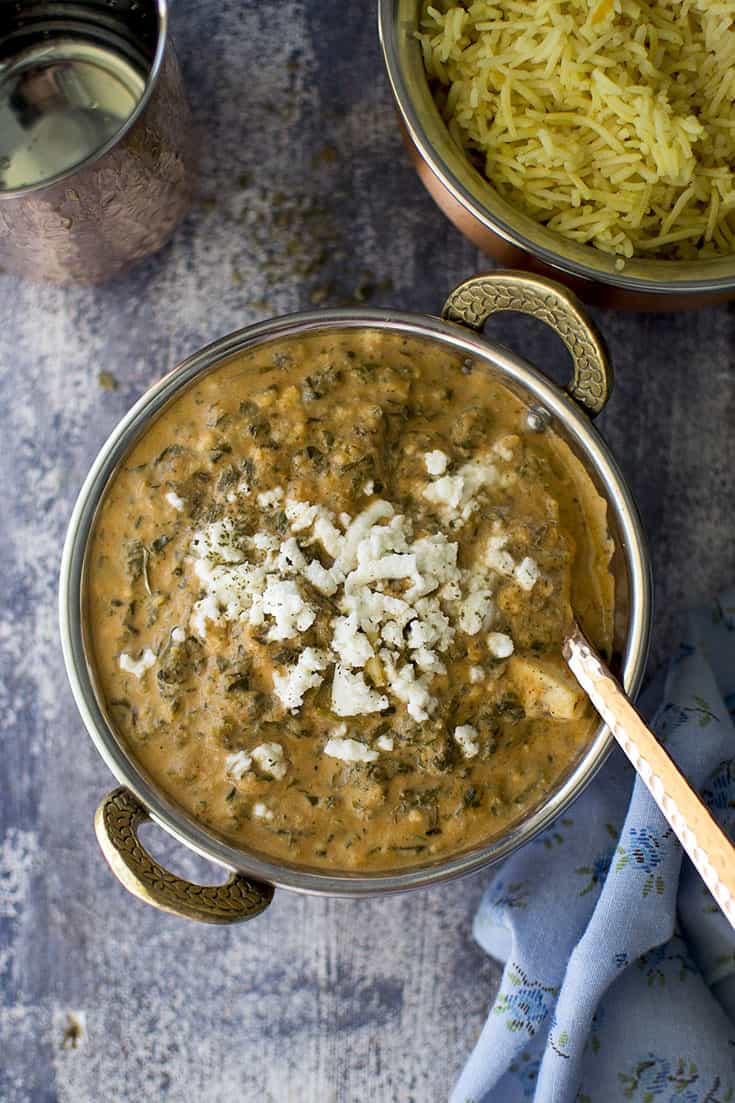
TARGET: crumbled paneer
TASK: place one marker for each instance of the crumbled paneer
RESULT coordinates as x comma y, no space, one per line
178,635
428,661
526,573
290,556
236,589
305,675
238,764
436,561
269,499
258,580
384,742
495,557
270,760
301,515
431,628
500,645
347,545
413,691
455,496
349,750
284,602
352,696
436,462
261,811
328,535
350,643
466,738
326,580
137,667
477,609
446,491
175,501
504,448
217,542
477,474
477,675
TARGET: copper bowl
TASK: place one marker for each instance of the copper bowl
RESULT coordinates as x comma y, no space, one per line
504,232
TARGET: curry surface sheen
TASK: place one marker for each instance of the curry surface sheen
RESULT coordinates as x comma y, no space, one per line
326,596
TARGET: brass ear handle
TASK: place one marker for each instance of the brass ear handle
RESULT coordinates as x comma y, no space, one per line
116,823
709,848
472,303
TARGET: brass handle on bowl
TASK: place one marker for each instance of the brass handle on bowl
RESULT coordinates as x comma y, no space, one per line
116,823
472,303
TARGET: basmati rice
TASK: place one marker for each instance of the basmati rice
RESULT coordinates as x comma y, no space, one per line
610,121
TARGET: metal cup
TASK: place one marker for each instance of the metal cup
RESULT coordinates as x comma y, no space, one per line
96,157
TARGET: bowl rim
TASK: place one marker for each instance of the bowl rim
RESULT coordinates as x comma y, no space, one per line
539,390
162,9
669,285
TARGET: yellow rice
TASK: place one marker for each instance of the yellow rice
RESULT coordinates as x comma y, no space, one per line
611,121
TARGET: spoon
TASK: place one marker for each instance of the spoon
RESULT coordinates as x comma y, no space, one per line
709,848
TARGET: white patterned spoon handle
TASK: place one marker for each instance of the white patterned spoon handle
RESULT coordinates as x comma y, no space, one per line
701,836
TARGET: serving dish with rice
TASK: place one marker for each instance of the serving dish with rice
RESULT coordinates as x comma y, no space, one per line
613,123
594,139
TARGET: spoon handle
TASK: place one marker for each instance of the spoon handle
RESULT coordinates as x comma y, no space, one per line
701,836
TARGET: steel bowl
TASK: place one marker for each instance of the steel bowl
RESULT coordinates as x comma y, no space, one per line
504,232
90,220
255,875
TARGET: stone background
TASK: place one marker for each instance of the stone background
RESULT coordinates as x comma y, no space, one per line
306,197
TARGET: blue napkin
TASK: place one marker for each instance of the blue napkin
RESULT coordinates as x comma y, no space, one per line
619,979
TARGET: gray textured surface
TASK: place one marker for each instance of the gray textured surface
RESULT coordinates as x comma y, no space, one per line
317,1000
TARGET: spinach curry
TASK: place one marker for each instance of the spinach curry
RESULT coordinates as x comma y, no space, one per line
327,591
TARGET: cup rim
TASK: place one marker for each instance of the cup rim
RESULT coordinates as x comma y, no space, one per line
184,827
154,71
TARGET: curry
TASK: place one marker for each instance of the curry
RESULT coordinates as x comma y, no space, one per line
326,596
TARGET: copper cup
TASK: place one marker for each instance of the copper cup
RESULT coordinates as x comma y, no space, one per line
96,163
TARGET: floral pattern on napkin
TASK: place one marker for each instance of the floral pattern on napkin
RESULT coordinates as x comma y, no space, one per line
619,979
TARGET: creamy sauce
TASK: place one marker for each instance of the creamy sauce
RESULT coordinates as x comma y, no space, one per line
326,597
